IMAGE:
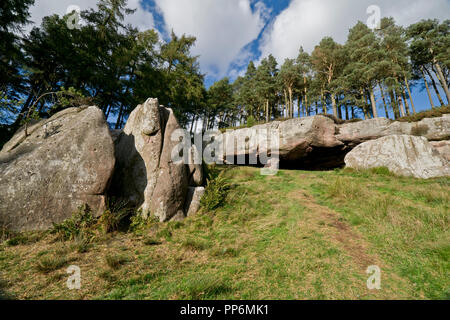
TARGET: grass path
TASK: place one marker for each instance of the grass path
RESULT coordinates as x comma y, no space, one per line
296,235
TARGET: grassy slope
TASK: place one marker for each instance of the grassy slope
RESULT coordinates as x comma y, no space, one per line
297,235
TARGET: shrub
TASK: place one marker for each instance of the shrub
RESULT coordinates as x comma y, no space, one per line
79,224
216,191
115,215
251,121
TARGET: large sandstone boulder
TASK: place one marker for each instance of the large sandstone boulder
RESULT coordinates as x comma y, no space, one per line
402,154
64,162
301,140
146,176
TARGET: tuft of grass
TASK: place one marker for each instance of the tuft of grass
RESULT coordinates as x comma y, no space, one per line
433,113
344,188
48,264
115,261
204,287
152,242
107,276
164,233
195,244
382,171
115,216
224,252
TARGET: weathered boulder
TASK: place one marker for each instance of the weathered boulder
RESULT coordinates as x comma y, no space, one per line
64,162
145,175
193,198
402,154
301,141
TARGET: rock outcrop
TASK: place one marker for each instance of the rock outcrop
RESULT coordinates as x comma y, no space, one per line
317,142
64,162
402,154
434,129
145,174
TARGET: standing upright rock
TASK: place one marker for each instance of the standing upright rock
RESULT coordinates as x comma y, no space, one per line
145,174
138,150
169,195
64,162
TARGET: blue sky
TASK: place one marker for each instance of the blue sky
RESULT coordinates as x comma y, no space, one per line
230,33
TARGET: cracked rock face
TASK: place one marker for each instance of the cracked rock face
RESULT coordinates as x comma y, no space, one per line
402,154
64,162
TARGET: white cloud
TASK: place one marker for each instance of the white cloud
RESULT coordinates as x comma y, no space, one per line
222,28
306,22
142,19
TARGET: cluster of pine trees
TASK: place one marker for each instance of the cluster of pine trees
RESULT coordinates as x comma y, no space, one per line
102,62
115,66
345,80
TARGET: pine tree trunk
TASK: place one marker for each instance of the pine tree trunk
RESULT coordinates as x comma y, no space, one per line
394,105
442,80
346,111
31,96
333,102
322,100
426,86
435,87
372,102
286,105
306,98
384,101
410,95
406,102
402,107
119,117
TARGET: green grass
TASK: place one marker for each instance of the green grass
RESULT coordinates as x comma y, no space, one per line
296,235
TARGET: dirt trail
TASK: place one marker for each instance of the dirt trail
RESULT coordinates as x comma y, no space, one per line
338,231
